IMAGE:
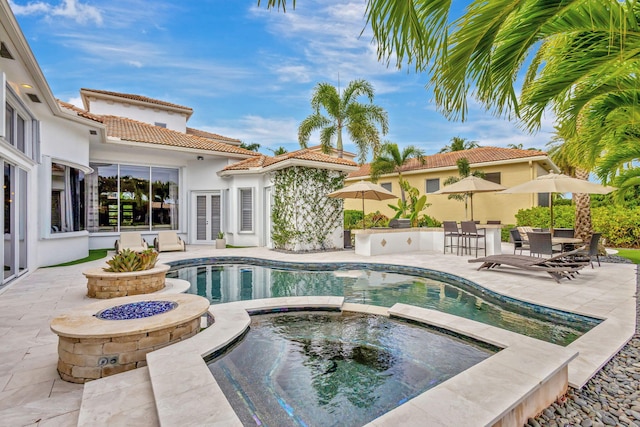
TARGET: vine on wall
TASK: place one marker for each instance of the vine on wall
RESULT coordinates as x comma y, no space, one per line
303,218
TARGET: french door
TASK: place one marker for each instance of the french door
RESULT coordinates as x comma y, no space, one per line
208,211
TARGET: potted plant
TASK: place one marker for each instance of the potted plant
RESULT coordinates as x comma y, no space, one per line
221,243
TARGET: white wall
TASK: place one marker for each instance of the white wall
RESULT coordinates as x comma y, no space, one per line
174,120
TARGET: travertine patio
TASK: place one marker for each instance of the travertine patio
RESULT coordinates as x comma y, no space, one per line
33,394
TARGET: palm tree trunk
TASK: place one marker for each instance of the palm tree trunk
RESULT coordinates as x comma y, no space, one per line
339,147
583,209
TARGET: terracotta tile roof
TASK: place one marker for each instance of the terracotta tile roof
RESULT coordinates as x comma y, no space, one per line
140,98
304,154
475,156
132,130
79,111
214,136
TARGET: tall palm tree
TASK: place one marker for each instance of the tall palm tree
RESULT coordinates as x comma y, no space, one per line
459,144
343,111
391,159
464,170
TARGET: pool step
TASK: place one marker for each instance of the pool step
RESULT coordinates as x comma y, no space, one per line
104,403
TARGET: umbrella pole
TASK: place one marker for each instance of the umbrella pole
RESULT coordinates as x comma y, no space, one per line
471,203
551,212
364,226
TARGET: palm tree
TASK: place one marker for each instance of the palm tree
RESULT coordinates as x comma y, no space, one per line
464,170
459,144
278,151
251,146
390,160
345,112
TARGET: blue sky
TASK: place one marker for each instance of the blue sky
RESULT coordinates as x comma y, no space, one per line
247,72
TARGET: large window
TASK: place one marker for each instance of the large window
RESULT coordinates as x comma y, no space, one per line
246,209
67,199
386,185
127,197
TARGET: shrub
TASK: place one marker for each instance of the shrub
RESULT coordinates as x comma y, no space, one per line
505,234
427,221
352,218
128,260
619,225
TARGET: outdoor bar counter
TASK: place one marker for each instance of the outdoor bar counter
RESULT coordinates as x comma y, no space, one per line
381,241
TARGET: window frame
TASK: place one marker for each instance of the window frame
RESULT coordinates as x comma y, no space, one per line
426,185
241,210
83,211
30,135
387,184
93,224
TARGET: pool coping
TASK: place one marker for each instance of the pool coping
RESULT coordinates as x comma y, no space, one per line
513,376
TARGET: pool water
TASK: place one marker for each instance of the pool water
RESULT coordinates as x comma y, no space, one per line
236,282
335,369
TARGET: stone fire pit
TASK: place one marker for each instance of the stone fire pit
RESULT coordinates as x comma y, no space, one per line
113,336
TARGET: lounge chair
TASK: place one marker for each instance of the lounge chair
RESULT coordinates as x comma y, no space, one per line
131,240
168,241
563,265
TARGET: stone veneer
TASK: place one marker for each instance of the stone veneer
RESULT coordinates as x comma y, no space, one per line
106,284
90,348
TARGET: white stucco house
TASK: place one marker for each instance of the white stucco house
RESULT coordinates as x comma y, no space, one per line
76,177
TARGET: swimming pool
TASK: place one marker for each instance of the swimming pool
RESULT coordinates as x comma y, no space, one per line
237,278
335,368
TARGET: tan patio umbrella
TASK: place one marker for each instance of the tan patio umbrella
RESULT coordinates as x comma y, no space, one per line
559,183
470,185
363,190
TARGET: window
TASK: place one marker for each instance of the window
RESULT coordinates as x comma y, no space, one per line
386,185
127,197
20,128
432,185
246,209
493,177
67,199
160,125
543,199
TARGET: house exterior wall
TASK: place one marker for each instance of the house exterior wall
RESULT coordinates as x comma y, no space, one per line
174,120
67,143
486,206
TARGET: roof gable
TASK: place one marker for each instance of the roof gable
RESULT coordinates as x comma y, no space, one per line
304,157
131,98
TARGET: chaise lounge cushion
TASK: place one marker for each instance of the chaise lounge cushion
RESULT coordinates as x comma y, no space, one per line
168,241
131,240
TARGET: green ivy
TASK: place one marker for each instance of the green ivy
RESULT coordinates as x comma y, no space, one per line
303,218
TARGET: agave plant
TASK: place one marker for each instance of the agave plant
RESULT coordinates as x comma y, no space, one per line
129,260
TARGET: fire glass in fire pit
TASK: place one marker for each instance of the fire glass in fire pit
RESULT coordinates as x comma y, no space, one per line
136,310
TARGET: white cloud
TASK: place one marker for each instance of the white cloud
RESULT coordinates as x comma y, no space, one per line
268,132
72,9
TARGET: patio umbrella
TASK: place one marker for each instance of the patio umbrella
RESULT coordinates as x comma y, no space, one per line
559,183
470,185
363,190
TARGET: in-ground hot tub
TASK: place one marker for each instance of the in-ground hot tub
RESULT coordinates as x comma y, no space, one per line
113,336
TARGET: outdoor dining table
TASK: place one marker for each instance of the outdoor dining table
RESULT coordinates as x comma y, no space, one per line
568,243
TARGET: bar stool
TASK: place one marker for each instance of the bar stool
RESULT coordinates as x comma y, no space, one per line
471,232
451,231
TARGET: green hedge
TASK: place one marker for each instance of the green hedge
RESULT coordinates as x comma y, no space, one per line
620,226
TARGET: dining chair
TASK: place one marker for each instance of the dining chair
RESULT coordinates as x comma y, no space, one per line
592,250
540,244
518,242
